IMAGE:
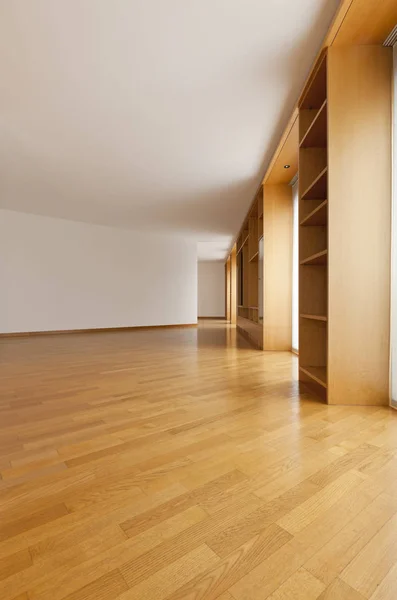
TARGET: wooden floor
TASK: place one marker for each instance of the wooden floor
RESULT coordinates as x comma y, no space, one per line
181,464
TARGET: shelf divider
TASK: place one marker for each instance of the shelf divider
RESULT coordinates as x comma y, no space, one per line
319,258
317,190
316,134
314,317
318,216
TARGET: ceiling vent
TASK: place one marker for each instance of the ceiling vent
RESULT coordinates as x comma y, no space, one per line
391,38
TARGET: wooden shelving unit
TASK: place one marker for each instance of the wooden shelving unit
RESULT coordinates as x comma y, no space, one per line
344,226
248,273
313,233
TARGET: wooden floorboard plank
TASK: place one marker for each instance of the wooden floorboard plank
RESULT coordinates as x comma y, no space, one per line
166,581
300,586
339,590
15,563
232,568
372,564
336,554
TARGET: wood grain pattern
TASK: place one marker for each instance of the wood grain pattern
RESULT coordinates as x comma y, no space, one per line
387,590
231,569
107,587
13,564
175,464
166,581
338,590
301,586
369,568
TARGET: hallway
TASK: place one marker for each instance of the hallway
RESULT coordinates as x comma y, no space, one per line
183,464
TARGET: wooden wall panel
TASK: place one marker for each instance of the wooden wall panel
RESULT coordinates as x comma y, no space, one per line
277,291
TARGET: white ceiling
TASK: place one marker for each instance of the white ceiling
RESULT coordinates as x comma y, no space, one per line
157,114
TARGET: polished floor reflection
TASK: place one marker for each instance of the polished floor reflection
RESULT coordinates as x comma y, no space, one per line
183,464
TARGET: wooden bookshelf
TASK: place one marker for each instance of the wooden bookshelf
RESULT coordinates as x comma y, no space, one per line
313,233
344,226
248,273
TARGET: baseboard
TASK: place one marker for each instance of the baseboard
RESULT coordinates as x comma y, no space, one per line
223,318
94,330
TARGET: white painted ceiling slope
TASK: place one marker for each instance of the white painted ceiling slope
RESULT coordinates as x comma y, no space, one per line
158,114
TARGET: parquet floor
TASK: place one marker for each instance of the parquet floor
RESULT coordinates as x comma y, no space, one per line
183,465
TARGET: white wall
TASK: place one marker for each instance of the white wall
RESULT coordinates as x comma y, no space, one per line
57,274
211,289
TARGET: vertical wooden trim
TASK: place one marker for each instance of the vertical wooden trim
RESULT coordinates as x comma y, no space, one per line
228,290
233,286
277,220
